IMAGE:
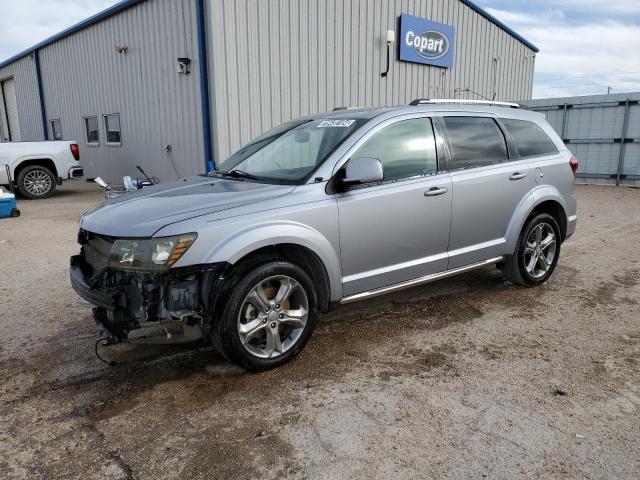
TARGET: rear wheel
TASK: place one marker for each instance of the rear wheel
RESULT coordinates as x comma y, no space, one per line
268,318
537,252
36,181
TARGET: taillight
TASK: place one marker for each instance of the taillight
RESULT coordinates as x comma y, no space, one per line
75,151
574,164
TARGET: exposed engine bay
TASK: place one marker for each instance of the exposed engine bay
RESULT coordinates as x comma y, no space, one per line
168,306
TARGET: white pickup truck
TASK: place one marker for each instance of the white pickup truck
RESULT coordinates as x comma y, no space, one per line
38,167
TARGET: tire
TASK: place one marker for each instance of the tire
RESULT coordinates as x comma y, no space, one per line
36,182
252,318
533,241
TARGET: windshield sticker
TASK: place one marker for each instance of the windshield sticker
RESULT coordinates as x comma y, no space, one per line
335,123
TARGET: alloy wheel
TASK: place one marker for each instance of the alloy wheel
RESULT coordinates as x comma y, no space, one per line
540,250
37,182
273,316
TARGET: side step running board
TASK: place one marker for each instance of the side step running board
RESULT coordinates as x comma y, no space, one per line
418,281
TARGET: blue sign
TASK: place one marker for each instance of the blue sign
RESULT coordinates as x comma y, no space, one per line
425,41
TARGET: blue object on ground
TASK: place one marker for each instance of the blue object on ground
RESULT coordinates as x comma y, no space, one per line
8,206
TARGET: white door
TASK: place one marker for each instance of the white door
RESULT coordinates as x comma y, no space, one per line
11,110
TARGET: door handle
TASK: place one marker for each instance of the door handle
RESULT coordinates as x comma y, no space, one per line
434,191
517,175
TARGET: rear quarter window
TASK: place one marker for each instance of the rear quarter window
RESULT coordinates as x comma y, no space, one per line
530,139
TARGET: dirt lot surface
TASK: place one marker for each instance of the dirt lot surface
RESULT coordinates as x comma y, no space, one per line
467,378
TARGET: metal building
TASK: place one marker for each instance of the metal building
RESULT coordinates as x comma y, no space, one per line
602,131
176,85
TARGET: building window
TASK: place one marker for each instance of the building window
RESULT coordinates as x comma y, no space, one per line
56,131
91,130
112,127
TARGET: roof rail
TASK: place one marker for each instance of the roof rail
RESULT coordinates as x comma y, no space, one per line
460,101
337,109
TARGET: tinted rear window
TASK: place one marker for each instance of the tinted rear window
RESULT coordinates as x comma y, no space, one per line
529,137
475,141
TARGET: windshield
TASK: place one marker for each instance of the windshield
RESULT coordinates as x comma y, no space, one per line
291,152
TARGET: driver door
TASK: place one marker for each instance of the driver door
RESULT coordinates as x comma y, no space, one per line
398,229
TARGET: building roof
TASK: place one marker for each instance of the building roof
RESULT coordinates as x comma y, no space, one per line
125,4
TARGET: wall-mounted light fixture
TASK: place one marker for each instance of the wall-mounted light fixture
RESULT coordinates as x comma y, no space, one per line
183,66
121,49
391,37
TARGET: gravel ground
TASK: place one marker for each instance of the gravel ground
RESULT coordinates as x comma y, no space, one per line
468,378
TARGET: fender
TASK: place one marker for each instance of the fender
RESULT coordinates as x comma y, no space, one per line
535,197
25,158
241,243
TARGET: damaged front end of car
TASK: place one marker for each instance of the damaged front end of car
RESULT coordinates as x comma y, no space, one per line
137,294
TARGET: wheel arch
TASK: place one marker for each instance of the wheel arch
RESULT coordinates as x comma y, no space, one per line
299,255
294,242
544,199
46,162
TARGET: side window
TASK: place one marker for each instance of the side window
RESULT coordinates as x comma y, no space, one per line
475,141
529,137
112,129
406,149
91,130
56,130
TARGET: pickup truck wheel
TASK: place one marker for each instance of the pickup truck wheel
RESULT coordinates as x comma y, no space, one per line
268,318
36,182
536,254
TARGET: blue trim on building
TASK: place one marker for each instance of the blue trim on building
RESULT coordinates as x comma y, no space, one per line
204,86
494,20
43,111
98,17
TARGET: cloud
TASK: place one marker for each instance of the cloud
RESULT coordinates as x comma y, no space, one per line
24,23
613,8
579,59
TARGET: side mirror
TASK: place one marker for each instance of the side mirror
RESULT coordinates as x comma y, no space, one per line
362,170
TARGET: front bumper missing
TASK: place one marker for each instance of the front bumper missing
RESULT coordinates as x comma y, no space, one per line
80,284
149,307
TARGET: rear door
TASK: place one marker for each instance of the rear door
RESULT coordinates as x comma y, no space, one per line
488,183
398,229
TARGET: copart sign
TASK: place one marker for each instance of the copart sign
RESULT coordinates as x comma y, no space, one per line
425,41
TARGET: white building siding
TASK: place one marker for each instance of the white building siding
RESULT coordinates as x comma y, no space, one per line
84,75
274,60
23,72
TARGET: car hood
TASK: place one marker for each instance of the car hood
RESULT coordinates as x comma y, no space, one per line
142,213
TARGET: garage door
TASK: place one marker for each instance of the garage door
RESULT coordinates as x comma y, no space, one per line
11,110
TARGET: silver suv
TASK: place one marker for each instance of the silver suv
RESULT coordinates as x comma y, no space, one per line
328,209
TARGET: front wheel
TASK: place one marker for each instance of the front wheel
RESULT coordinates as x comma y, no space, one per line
268,318
537,252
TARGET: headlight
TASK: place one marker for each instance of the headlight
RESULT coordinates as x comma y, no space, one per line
149,253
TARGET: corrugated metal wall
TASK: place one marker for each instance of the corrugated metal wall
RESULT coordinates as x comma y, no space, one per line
24,73
274,60
593,127
84,75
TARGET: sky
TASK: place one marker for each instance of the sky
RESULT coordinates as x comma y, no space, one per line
585,46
